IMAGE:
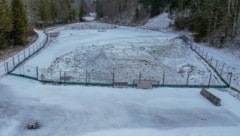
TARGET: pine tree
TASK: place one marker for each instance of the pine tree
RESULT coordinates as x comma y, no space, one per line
99,9
66,9
72,15
53,11
44,11
155,8
136,13
81,11
19,32
5,24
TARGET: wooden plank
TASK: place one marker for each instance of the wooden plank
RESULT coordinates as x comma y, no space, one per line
145,85
55,34
211,97
120,84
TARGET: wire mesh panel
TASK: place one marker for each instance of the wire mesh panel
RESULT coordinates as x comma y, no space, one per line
49,75
224,72
17,59
2,70
27,71
71,76
97,77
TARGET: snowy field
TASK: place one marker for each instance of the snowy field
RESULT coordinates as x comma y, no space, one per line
103,49
96,111
102,111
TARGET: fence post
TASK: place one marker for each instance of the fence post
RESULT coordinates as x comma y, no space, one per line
187,79
7,67
13,61
79,76
230,79
209,82
51,75
163,77
60,75
64,76
113,77
37,72
89,77
216,65
86,77
211,60
140,76
18,59
24,55
222,69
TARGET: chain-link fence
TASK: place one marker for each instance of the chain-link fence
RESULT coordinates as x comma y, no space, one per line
218,77
13,62
163,78
2,70
97,26
227,74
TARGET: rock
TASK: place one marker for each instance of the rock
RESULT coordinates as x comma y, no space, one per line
33,125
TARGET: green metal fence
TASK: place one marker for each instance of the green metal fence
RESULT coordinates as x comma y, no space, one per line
108,79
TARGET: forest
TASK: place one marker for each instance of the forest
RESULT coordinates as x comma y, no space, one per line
213,21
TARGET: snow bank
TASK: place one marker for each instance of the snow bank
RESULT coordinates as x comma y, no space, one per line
159,22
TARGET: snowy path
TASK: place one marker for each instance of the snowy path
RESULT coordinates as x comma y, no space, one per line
95,111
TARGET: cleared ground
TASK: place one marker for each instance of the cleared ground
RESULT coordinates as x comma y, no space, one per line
125,51
76,111
98,111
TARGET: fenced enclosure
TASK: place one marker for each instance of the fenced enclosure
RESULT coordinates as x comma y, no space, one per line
100,28
13,62
215,75
164,78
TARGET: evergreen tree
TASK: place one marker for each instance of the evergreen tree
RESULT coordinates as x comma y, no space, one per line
44,11
5,24
81,11
99,8
66,9
47,12
136,13
72,15
155,8
53,11
19,32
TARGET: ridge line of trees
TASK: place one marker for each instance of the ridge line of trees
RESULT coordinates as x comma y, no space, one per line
18,17
13,23
214,21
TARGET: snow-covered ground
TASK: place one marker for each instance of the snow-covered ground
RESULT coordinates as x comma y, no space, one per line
159,23
102,49
97,111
